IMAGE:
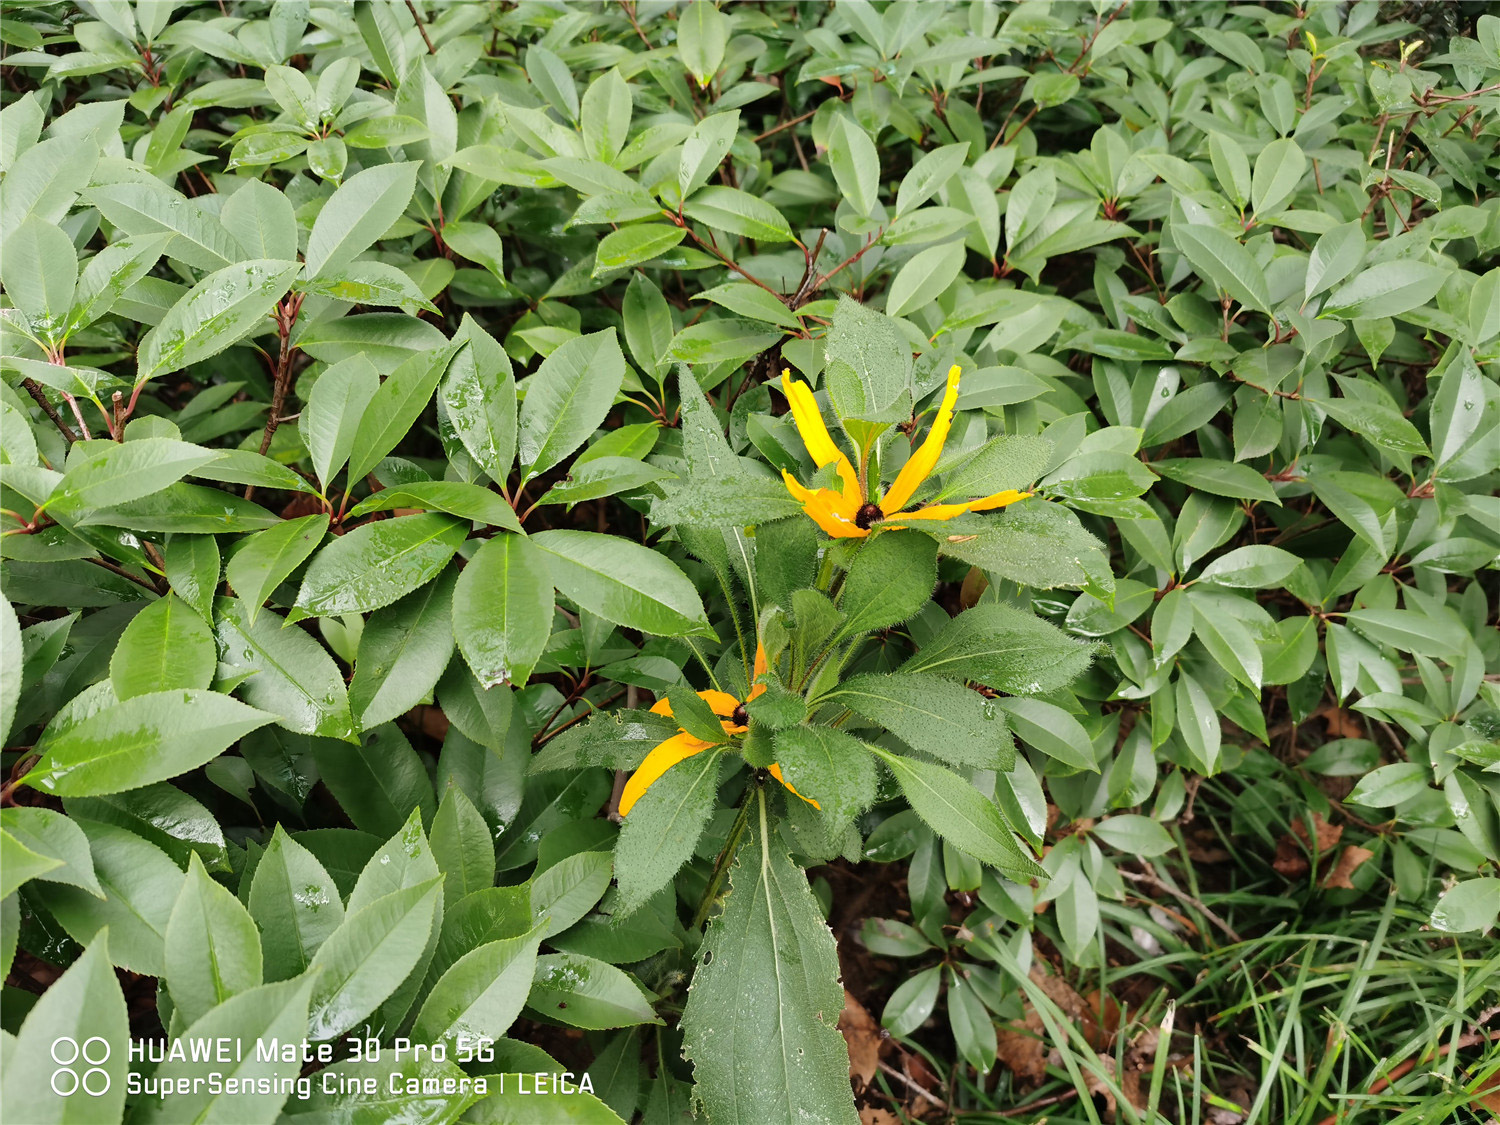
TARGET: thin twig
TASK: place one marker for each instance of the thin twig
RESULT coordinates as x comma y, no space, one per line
116,568
1153,881
630,15
888,1069
823,279
774,129
48,409
1401,1069
548,736
412,8
713,249
1031,1107
286,316
83,426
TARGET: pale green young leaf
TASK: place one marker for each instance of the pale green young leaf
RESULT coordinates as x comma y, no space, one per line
391,410
368,956
147,738
403,650
702,36
212,946
482,993
479,394
165,646
333,413
219,311
359,212
270,1012
294,902
285,671
84,1004
462,846
623,582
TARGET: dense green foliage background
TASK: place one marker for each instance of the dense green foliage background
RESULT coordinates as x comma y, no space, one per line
389,388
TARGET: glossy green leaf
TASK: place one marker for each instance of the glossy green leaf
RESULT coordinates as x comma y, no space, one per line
140,884
588,993
502,610
567,399
378,779
165,646
285,671
212,946
367,957
217,312
294,903
264,560
271,1012
143,739
479,394
481,995
84,1005
623,582
403,650
377,563
1385,289
738,212
392,409
759,1026
359,212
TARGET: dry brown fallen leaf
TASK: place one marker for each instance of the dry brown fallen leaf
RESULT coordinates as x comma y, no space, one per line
1349,859
1096,1085
862,1034
1342,724
1291,860
874,1115
1022,1047
1328,834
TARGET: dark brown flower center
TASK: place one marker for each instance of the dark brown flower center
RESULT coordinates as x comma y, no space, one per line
867,515
739,716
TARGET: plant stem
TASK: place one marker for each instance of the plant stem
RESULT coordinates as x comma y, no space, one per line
286,316
726,857
412,8
48,409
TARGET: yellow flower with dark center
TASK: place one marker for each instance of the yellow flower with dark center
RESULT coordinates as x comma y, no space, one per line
847,512
681,746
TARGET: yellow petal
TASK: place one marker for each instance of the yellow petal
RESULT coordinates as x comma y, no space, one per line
662,758
948,511
920,464
998,500
721,703
931,512
760,668
820,446
775,772
830,511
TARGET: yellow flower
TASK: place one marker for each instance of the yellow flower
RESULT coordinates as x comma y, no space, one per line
682,745
846,513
